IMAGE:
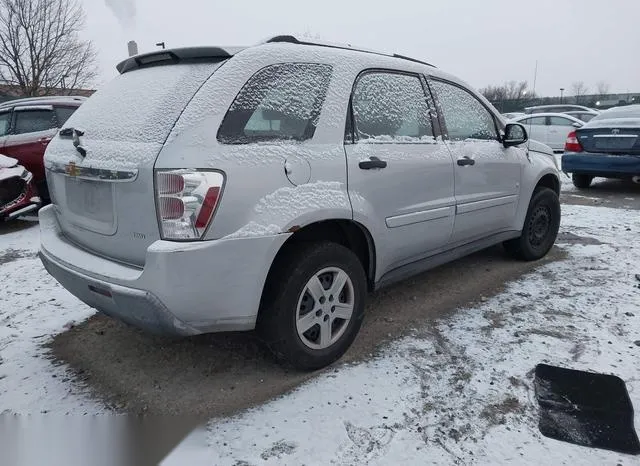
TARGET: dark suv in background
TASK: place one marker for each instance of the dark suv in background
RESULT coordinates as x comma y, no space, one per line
27,126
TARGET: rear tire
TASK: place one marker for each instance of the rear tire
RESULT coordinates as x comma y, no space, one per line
540,227
581,181
314,305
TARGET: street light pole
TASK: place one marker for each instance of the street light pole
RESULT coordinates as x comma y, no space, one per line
561,94
64,85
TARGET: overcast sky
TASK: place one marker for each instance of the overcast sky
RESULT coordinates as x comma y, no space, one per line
481,41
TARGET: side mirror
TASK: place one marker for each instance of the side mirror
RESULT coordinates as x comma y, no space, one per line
577,125
514,135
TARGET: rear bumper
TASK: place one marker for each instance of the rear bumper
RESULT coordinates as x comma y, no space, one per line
601,164
183,289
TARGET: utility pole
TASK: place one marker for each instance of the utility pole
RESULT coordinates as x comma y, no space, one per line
561,94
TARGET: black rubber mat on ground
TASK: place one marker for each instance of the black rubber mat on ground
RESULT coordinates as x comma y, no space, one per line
586,409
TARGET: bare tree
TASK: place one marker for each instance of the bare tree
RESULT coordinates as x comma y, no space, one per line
40,48
510,90
579,89
603,88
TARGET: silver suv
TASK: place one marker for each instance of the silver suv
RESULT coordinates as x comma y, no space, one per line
272,187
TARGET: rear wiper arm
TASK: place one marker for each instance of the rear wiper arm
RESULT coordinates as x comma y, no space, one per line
68,132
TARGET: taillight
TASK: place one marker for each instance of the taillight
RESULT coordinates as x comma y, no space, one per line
186,201
572,144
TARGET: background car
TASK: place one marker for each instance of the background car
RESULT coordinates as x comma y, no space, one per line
561,108
27,126
584,115
550,128
512,115
608,146
18,195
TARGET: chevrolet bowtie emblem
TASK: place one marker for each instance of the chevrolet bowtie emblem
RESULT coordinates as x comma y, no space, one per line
72,169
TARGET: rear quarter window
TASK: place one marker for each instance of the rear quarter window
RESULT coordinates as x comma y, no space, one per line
63,114
279,103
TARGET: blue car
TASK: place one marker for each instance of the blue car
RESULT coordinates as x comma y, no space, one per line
608,146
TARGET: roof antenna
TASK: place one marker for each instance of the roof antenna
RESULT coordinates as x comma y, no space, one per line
535,77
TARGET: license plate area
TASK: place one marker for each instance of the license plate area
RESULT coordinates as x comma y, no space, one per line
614,142
90,204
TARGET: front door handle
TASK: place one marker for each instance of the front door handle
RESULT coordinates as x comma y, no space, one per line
373,162
466,161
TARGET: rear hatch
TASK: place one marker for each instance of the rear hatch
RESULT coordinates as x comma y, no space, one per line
616,137
105,200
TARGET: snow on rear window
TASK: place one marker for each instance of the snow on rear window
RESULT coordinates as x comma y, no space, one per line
280,102
141,105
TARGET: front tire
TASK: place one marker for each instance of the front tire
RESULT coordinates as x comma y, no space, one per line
314,305
581,181
540,227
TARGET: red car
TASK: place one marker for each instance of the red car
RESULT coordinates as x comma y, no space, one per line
18,194
27,126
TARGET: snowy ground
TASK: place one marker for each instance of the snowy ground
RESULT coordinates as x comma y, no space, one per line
33,306
461,390
458,391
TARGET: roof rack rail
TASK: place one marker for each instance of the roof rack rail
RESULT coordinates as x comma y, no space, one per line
291,39
50,98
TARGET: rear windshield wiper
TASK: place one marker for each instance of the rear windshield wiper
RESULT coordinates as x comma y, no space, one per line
68,132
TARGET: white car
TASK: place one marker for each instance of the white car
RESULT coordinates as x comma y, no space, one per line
550,128
584,115
272,188
512,115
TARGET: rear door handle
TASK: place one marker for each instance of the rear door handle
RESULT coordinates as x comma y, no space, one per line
466,161
373,162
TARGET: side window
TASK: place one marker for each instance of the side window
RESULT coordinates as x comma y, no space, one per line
586,117
30,121
63,114
5,119
390,107
559,121
536,121
279,102
465,116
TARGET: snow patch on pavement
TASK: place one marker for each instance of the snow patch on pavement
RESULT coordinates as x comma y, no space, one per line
34,308
460,391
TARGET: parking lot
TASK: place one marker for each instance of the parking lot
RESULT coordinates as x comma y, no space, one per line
94,364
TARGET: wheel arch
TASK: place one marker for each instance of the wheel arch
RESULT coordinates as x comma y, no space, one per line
549,180
348,233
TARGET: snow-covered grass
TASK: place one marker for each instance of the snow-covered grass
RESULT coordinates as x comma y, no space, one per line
458,391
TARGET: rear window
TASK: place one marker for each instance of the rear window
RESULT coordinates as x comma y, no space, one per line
279,102
623,112
141,105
